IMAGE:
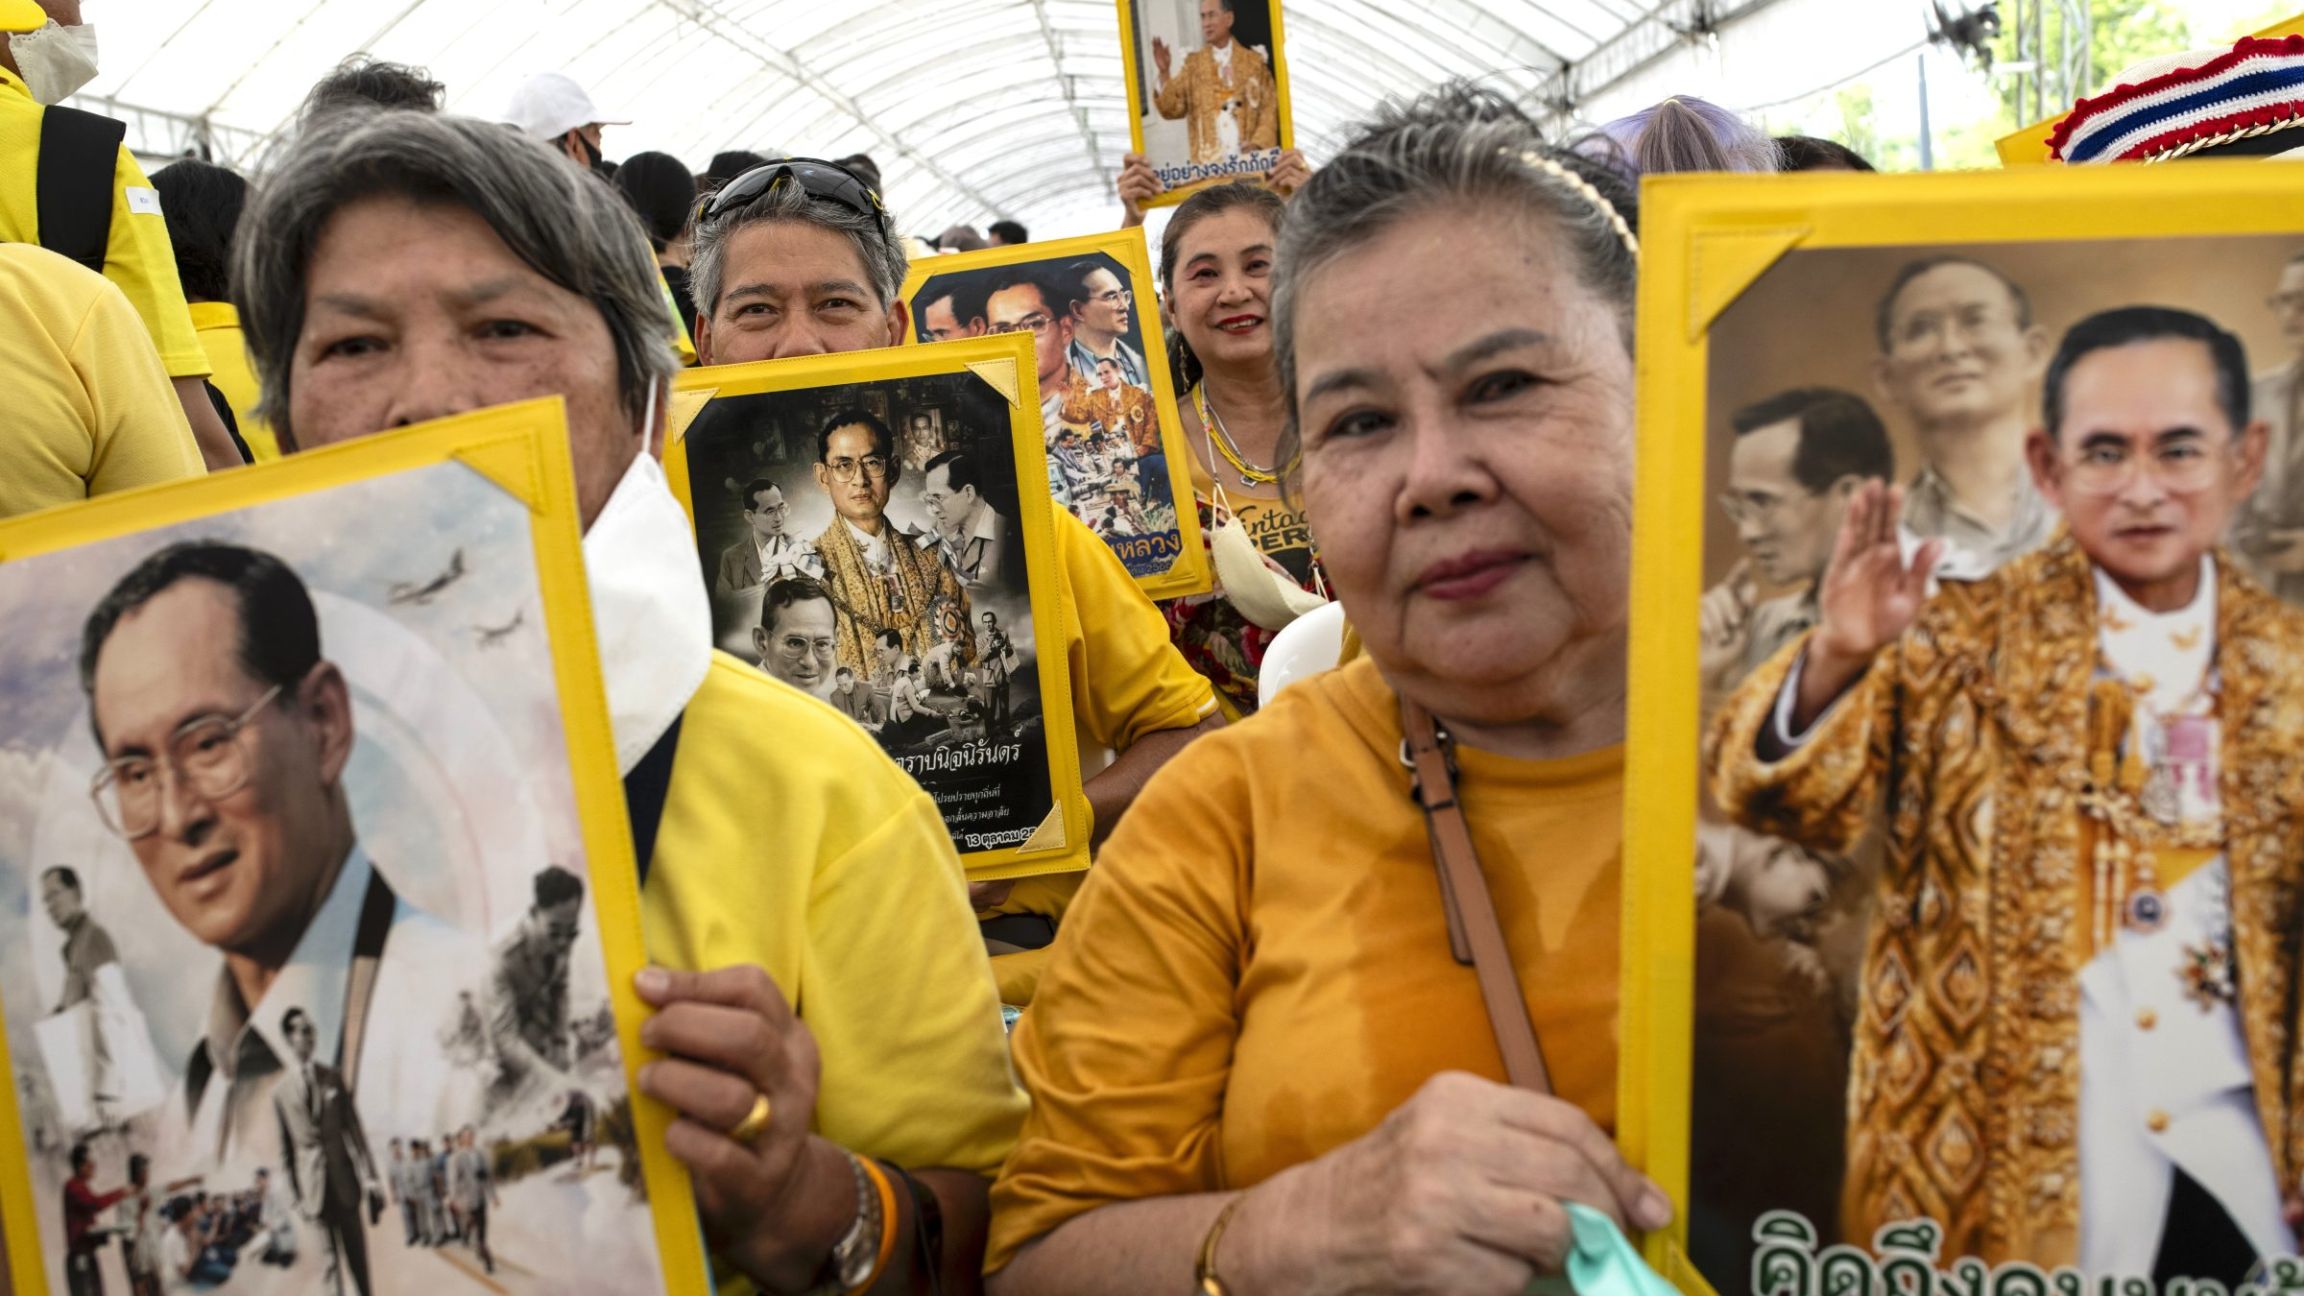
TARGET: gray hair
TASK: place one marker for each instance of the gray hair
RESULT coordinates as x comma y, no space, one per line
883,257
1451,147
562,223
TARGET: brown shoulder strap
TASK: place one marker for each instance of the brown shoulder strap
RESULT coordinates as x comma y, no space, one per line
1473,930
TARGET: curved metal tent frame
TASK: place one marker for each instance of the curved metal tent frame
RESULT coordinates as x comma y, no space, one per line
974,109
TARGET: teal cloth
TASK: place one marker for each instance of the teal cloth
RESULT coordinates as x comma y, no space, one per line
1603,1262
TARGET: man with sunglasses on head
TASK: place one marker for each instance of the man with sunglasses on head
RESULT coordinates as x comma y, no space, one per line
226,735
799,258
830,1032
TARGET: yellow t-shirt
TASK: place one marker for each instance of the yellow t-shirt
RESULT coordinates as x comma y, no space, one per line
1272,898
218,324
139,260
845,888
88,409
1128,680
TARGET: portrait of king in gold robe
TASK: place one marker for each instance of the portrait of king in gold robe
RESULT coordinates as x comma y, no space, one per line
1225,94
2077,1038
878,578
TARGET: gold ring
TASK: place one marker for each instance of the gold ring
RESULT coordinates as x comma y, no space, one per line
755,1122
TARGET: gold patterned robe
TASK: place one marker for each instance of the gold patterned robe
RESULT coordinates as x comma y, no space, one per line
1200,91
863,603
1964,1084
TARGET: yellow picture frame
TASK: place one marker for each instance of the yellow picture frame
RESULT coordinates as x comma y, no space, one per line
1706,241
1059,843
1188,571
1135,80
522,451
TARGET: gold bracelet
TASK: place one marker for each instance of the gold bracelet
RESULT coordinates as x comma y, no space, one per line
1204,1271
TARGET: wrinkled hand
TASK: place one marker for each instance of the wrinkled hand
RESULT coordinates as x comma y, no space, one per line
777,1205
1289,173
1160,57
1462,1189
1724,621
1138,185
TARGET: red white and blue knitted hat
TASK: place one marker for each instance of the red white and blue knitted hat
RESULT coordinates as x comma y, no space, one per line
2184,105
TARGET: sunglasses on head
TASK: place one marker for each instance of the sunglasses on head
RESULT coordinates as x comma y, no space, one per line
826,180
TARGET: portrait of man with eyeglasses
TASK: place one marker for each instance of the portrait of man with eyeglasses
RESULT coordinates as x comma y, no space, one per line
2086,765
226,736
1101,308
1798,458
2270,530
878,579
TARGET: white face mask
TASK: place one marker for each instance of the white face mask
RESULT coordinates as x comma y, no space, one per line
650,611
56,61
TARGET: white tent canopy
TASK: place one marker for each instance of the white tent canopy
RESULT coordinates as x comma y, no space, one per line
974,109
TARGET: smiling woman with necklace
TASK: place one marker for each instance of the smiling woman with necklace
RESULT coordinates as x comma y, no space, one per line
1215,278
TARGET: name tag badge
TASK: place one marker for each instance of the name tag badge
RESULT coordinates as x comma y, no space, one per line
143,200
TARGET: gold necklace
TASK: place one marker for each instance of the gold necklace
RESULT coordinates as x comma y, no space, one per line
1220,440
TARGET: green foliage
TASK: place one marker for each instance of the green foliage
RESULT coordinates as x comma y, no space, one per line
2121,33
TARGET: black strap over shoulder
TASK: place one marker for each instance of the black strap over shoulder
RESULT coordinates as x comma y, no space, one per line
644,791
79,156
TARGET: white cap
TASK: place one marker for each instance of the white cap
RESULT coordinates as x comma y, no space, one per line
551,104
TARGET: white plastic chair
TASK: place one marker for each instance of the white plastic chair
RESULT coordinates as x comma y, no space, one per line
1311,644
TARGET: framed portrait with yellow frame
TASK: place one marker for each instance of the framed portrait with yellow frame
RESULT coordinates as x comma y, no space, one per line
876,531
1959,945
1207,90
317,872
1114,447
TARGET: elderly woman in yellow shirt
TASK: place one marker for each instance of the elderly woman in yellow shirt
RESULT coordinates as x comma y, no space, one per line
1255,1064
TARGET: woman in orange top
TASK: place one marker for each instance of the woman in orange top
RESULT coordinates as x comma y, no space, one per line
1255,1064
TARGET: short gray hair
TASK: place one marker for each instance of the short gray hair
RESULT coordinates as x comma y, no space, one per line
564,224
883,255
1454,146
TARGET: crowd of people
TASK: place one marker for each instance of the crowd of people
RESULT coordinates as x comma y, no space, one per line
1406,382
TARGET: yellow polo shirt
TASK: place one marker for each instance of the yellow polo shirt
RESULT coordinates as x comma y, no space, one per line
139,260
218,324
847,891
88,408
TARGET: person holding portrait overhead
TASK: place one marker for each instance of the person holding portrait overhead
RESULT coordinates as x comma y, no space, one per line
878,581
1959,352
2077,1026
1215,281
1272,896
1226,94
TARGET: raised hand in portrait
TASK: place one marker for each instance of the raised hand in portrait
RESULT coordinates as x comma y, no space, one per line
1868,597
776,1204
1160,58
1463,1189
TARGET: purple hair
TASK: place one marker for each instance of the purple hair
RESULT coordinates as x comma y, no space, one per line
1681,134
